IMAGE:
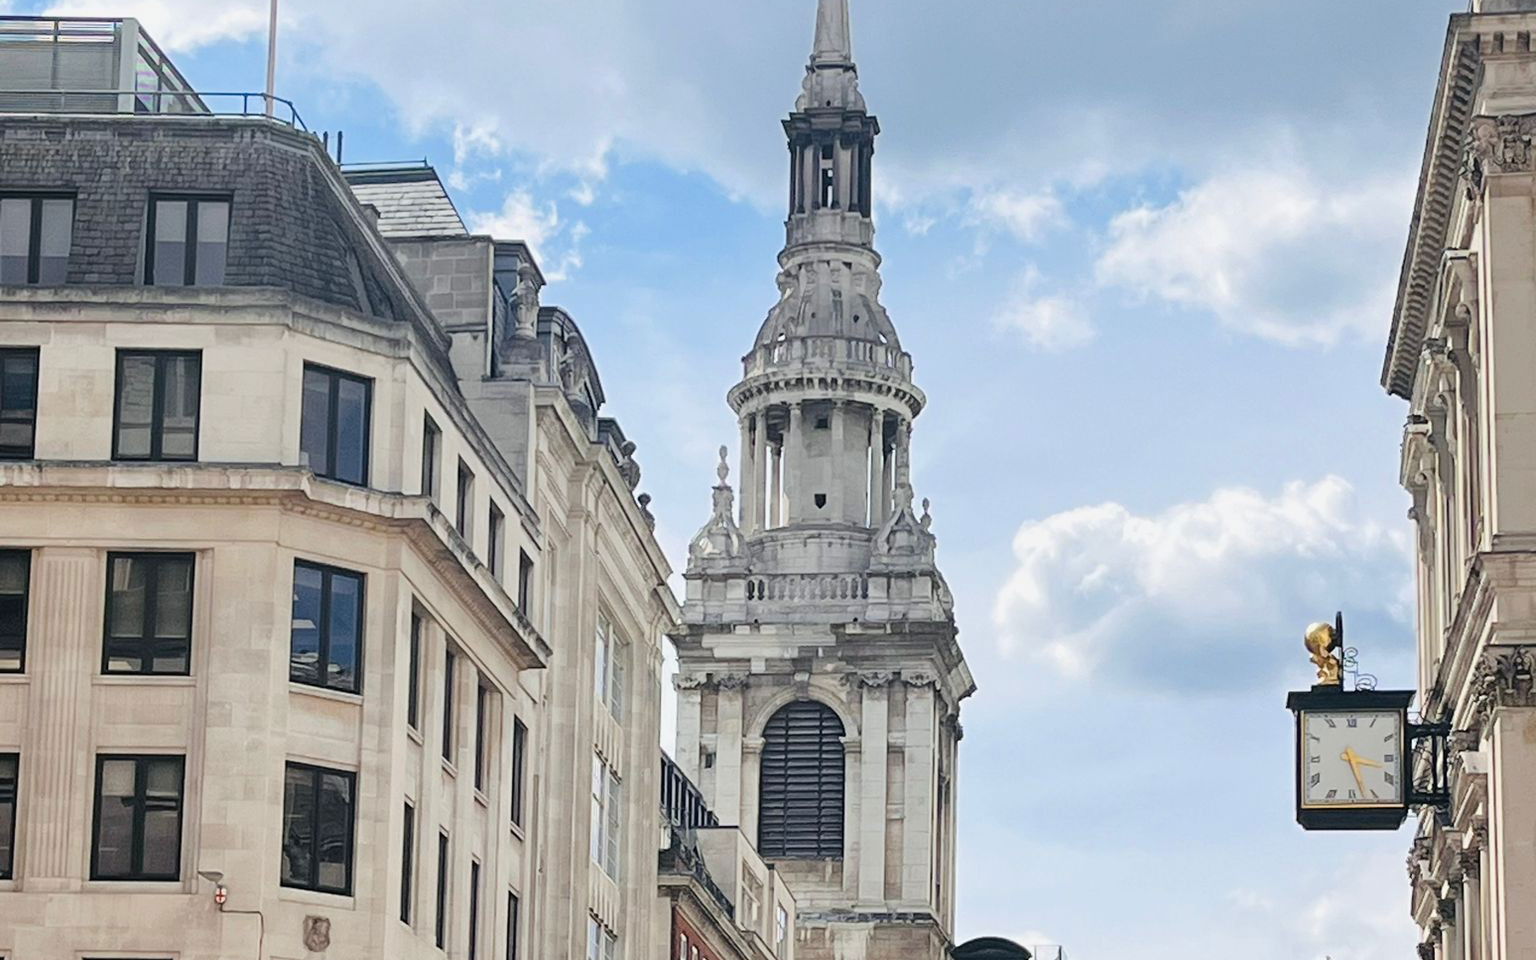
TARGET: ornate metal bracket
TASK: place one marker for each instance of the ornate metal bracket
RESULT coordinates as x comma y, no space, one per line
1434,789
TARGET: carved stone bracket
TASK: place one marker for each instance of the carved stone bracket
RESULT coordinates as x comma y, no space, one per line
1500,144
731,681
1505,678
918,678
876,680
689,681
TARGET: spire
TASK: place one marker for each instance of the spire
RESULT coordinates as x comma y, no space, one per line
834,42
831,79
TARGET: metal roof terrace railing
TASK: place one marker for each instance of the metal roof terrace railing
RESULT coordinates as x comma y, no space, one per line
153,103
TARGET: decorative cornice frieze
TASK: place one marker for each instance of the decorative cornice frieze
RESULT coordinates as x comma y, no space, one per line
1504,678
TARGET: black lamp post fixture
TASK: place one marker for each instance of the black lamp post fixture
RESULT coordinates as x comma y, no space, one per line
990,948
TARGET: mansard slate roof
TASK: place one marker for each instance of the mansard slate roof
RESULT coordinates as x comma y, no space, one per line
410,198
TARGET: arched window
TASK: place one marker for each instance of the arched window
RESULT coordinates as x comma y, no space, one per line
800,810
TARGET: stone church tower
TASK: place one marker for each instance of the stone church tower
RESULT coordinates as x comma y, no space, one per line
820,678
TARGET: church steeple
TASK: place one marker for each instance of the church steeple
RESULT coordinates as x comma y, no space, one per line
834,43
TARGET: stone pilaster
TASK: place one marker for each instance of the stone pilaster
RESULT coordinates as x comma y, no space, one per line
875,728
920,821
728,744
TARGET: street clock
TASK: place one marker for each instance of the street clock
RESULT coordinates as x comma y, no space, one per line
1354,763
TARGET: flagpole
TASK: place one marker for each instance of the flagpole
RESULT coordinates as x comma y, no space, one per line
272,59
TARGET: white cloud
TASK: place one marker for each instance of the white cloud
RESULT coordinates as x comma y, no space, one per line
1202,595
556,244
1025,215
181,24
1277,253
1351,914
1050,323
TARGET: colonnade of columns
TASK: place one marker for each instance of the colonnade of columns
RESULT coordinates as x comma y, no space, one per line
790,475
850,167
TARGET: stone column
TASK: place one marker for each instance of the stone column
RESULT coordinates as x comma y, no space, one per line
689,716
56,773
794,440
887,479
748,471
1510,843
838,480
776,496
760,476
728,757
872,787
903,452
751,785
793,189
876,465
921,814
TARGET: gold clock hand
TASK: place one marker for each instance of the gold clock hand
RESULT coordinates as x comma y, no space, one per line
1349,756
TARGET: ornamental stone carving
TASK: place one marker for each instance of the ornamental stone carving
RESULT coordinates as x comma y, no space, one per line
1447,910
1500,145
876,680
731,681
1504,678
689,681
917,678
317,934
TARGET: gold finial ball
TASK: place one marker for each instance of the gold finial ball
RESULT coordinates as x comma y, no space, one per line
1320,637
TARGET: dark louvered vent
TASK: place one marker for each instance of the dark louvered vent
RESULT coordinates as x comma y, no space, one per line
801,810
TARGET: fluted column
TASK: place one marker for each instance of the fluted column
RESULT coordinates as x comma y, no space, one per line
794,441
67,606
839,479
776,495
747,472
760,472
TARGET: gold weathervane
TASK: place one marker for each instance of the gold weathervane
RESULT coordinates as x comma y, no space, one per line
1321,643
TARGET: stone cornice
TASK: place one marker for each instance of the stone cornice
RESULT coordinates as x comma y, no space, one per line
299,492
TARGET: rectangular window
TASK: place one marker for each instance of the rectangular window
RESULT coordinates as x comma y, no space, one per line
18,403
441,932
607,817
158,398
610,668
413,677
781,933
474,908
35,235
189,241
317,828
149,613
601,945
482,707
519,768
514,919
407,863
431,458
466,502
15,584
524,583
751,897
10,779
497,548
137,833
335,423
327,640
450,664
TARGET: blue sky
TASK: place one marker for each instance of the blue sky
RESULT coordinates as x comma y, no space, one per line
1143,252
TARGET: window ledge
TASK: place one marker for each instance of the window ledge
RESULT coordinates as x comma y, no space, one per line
325,693
482,799
414,735
135,886
517,832
316,898
135,679
450,769
17,678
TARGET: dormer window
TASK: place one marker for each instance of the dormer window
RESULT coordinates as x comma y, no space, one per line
189,242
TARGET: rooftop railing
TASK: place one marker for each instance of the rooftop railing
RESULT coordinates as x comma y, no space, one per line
152,103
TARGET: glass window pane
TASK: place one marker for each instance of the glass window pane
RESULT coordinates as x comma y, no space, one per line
304,656
15,239
170,252
135,405
18,384
53,260
315,428
173,615
114,819
335,832
345,631
125,614
212,242
14,570
162,818
298,867
8,771
352,431
179,395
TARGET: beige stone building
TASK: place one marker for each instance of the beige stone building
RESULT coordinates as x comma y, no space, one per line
1460,353
330,621
820,678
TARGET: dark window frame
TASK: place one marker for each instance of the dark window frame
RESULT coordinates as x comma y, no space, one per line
450,668
482,734
444,848
496,540
408,865
319,773
8,354
332,432
189,265
519,771
140,778
431,458
525,571
474,908
8,824
328,575
156,453
413,674
464,508
514,921
147,642
26,611
35,227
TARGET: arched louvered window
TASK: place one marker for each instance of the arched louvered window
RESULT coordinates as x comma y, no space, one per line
800,811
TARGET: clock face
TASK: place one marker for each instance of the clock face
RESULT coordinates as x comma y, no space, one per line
1352,758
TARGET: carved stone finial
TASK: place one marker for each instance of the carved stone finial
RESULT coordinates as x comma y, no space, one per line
927,520
720,537
724,470
645,508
